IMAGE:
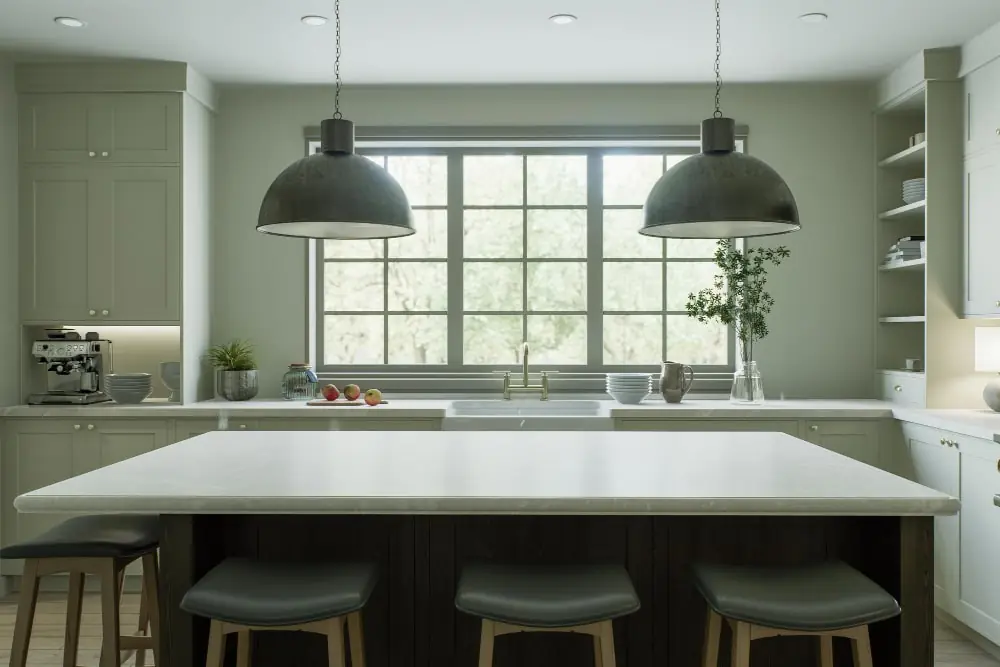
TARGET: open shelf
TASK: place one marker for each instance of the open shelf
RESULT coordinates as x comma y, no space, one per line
902,320
912,156
900,371
907,265
914,210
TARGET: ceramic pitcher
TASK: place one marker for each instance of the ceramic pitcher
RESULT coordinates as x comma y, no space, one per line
675,380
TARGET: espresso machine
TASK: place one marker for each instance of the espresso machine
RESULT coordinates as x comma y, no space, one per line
75,367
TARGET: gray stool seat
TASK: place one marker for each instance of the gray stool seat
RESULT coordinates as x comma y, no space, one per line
248,592
813,598
99,536
546,597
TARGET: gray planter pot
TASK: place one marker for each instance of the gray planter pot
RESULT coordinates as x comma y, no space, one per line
236,385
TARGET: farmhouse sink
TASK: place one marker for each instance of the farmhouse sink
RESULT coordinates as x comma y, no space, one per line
501,408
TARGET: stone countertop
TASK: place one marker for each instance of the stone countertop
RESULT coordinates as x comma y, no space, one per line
975,423
715,409
440,472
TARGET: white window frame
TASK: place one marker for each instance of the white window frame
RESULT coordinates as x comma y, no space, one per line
454,143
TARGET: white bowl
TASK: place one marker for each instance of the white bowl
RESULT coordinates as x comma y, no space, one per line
629,398
128,397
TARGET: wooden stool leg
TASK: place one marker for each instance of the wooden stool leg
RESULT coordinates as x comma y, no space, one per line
861,647
598,662
151,594
335,642
243,648
357,639
486,644
607,644
825,651
110,614
140,653
741,644
74,606
25,614
713,632
216,645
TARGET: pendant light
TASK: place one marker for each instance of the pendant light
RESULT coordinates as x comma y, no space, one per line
336,194
719,193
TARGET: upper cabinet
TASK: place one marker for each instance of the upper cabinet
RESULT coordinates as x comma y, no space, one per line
982,108
982,234
113,128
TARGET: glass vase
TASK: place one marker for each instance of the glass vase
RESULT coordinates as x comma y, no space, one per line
299,383
747,386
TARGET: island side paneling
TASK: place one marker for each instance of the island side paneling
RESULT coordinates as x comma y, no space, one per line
411,620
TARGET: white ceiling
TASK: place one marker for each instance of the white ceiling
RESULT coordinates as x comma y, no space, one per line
500,41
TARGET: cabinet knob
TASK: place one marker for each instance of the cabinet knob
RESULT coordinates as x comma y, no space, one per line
998,131
90,427
998,466
898,388
92,154
944,441
813,427
104,153
998,304
105,312
92,311
243,426
76,427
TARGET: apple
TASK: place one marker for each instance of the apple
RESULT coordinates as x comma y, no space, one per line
330,392
373,397
352,392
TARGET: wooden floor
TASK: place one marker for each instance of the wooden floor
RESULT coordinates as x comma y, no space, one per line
950,649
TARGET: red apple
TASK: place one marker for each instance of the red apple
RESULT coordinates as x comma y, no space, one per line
330,392
373,397
352,392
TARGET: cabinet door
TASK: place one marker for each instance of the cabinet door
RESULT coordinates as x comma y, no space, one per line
114,440
137,128
982,234
36,453
979,589
855,439
304,424
935,464
982,112
189,428
791,427
55,128
58,212
135,269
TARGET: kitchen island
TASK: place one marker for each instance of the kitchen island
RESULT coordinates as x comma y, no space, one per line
422,504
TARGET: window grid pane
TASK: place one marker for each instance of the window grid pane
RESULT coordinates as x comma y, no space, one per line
524,231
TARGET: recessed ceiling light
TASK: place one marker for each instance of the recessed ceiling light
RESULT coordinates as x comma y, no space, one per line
813,17
562,19
314,20
69,21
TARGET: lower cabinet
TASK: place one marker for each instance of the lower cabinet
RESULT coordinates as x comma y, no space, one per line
791,426
979,520
855,439
40,452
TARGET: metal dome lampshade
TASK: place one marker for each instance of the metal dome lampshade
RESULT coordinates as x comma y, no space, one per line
336,194
719,193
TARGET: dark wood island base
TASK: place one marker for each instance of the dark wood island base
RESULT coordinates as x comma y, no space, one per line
411,620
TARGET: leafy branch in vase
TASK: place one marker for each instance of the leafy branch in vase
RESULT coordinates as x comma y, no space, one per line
737,297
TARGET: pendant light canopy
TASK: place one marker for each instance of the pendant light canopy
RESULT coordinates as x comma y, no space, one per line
336,194
719,193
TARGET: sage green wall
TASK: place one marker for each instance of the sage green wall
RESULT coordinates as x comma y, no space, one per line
819,137
9,330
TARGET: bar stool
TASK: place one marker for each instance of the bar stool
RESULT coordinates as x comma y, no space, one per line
241,596
568,598
102,546
825,600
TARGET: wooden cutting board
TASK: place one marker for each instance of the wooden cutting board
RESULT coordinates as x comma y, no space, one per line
334,404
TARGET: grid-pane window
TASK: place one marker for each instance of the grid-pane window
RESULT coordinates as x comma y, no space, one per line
536,244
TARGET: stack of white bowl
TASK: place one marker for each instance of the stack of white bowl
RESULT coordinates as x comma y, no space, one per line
914,190
629,388
128,387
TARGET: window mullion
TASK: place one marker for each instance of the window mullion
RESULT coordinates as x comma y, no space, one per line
455,259
595,260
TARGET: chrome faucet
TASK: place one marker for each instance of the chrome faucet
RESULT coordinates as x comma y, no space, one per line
525,385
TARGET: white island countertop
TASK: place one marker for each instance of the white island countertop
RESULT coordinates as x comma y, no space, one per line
427,472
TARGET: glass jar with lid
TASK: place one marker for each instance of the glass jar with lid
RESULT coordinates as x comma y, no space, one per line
299,383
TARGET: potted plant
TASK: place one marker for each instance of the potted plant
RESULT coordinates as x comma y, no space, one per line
236,370
737,298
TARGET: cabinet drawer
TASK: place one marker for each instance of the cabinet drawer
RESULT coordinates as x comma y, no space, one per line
790,427
982,108
903,388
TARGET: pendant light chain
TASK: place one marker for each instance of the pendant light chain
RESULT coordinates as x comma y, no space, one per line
336,65
718,59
